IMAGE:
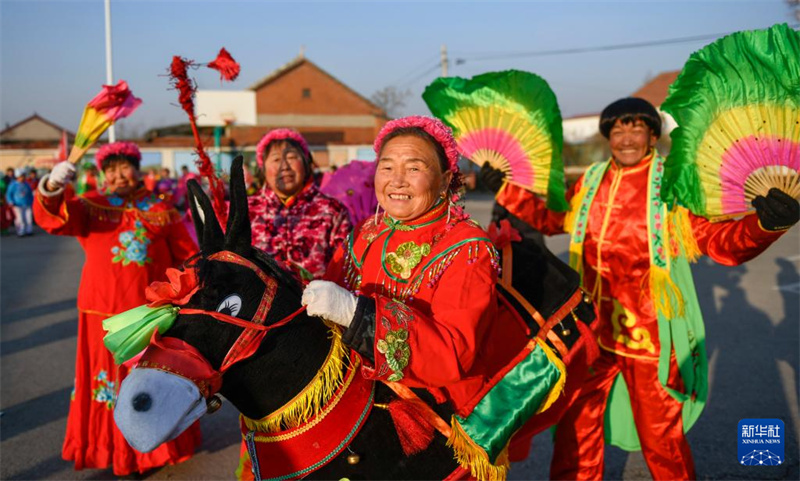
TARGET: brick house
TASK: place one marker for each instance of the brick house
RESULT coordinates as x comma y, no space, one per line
303,96
31,141
338,122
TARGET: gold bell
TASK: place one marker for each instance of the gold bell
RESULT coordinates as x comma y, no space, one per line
353,458
566,332
213,404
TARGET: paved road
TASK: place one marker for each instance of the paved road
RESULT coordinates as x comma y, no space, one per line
752,317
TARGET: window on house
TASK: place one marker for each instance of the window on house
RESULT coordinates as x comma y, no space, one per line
306,93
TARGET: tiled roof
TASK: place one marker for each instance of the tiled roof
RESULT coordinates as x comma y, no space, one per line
655,91
36,116
300,60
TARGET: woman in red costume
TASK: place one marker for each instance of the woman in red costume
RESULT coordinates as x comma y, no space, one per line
415,287
130,238
632,254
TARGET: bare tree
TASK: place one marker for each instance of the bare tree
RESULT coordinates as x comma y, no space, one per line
390,99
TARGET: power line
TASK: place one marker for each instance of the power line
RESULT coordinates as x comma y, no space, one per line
415,70
602,48
423,74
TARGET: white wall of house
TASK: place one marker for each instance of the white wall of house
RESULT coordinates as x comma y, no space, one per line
577,130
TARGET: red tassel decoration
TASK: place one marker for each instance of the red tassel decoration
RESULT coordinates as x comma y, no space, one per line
225,65
179,75
414,431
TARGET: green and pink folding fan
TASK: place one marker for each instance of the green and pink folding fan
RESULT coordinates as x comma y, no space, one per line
737,104
510,119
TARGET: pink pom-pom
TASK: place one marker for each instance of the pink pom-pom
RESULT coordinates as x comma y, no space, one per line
436,129
280,134
117,149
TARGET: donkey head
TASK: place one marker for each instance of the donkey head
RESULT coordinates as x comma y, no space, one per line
231,337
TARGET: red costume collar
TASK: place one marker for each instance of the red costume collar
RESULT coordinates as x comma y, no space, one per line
306,448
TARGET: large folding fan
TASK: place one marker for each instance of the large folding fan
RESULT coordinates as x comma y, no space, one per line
510,119
737,104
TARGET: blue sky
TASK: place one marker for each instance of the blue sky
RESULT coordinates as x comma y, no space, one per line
52,53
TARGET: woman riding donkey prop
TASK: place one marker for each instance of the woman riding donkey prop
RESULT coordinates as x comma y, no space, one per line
416,338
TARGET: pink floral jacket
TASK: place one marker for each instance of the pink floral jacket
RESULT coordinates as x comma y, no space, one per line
303,232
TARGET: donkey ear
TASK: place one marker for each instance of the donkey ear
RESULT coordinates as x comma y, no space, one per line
238,236
209,233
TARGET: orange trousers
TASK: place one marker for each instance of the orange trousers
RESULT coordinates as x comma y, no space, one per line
579,441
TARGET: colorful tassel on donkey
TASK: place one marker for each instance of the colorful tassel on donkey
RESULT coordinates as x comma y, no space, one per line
414,431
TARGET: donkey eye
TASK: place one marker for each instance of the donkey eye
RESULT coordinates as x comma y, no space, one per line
231,305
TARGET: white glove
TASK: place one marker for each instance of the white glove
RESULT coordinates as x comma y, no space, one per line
61,174
329,301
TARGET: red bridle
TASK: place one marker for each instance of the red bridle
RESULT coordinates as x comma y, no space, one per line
181,358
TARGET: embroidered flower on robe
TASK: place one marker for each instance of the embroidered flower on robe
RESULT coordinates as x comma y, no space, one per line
133,246
406,257
104,392
397,352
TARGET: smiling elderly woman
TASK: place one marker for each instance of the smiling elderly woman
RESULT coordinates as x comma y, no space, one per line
130,237
415,286
291,219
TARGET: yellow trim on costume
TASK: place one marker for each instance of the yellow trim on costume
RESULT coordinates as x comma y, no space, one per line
624,354
105,207
664,292
558,387
96,313
682,235
597,290
114,214
61,203
328,408
471,456
311,401
777,229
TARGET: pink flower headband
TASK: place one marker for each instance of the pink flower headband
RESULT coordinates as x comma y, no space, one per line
280,134
117,149
436,129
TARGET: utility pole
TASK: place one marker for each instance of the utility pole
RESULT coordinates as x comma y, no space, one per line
109,75
444,60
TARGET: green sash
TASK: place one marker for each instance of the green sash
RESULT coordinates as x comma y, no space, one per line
680,322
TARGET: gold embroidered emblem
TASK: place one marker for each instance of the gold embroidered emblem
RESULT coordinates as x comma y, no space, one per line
639,338
407,256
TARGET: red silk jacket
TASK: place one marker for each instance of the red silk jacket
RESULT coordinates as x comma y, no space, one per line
616,262
428,313
129,242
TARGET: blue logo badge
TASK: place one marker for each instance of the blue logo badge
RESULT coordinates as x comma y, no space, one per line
761,442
